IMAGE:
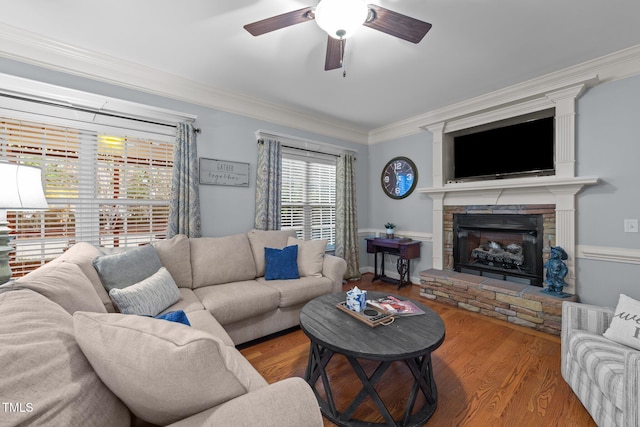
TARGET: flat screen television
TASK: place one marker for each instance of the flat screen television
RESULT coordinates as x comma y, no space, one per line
525,148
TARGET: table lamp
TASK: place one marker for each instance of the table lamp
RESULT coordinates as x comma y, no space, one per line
21,190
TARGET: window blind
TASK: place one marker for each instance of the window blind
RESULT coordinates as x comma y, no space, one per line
105,188
308,196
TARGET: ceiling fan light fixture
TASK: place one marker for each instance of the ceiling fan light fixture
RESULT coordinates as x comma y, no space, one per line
341,18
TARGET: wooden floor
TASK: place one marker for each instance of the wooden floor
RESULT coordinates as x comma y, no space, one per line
488,372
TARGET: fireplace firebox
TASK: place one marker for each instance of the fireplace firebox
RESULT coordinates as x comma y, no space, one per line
500,246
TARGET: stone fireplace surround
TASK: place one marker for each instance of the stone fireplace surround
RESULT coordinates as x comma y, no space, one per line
516,303
512,302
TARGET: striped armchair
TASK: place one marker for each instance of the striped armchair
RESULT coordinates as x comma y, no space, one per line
603,374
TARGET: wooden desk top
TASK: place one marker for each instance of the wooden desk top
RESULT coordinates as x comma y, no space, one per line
391,243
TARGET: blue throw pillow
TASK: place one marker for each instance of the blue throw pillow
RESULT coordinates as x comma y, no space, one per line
178,316
281,264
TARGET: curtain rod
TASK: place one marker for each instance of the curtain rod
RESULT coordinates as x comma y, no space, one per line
294,140
311,151
92,111
261,141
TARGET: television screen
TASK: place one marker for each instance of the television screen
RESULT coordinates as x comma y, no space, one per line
526,147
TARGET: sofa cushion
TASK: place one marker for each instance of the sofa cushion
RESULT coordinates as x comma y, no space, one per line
304,289
188,302
65,284
237,301
163,371
216,260
82,254
126,268
43,366
204,321
148,297
625,325
175,255
281,264
603,362
260,239
310,255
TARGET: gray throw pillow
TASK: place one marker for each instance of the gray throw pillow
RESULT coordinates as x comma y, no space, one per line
126,268
149,297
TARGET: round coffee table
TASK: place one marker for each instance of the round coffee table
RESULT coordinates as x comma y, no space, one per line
408,340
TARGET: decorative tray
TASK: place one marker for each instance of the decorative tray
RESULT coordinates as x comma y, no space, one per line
370,315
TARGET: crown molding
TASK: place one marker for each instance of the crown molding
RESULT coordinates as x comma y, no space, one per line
24,46
615,66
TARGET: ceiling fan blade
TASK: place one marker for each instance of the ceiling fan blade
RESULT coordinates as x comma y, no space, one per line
396,24
335,53
281,21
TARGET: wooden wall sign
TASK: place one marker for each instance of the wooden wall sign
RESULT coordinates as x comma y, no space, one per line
223,172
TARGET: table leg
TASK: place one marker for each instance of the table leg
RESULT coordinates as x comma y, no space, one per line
422,371
424,383
375,266
368,389
403,266
319,357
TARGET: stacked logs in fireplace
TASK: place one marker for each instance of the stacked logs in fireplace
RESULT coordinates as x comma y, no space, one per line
494,254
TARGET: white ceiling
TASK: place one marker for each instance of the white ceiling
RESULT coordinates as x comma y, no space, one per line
474,47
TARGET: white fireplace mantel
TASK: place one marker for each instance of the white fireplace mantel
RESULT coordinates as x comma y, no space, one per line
559,189
533,190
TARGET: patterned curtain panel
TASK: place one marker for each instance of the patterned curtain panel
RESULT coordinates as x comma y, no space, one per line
268,179
184,204
347,244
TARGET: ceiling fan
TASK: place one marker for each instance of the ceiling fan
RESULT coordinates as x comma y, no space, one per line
341,19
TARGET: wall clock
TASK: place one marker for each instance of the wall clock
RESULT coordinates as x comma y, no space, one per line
399,177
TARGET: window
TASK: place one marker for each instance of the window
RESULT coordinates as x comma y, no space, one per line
106,188
309,196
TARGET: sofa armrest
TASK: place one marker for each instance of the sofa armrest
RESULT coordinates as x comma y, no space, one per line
334,268
631,414
584,317
289,402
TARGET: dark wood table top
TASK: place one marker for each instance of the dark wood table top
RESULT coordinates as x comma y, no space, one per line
406,337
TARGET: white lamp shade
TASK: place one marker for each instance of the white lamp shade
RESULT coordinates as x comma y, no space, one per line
341,18
21,188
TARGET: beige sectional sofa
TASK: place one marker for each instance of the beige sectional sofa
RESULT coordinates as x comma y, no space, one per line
69,359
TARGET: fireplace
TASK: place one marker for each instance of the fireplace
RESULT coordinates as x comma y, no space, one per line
500,246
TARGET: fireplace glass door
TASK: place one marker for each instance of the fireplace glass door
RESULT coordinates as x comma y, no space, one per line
504,247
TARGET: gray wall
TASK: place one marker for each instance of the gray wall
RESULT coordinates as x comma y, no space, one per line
608,146
226,136
413,214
